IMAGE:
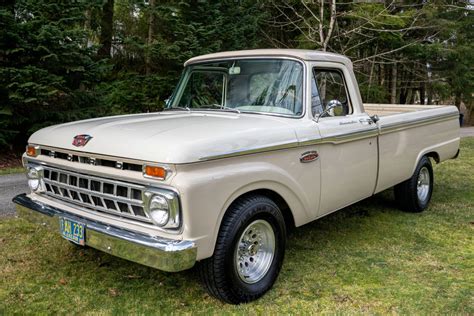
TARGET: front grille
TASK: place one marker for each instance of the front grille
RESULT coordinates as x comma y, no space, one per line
98,194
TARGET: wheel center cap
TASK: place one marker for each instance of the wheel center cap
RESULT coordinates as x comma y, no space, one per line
253,249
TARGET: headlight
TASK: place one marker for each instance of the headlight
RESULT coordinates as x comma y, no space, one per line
35,178
159,210
162,207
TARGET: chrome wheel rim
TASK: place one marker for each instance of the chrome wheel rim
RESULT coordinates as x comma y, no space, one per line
254,251
423,184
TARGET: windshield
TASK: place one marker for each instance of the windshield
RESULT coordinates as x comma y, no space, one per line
247,85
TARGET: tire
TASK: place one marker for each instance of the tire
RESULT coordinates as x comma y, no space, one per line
414,194
242,274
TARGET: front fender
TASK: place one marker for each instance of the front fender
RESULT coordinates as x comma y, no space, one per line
208,189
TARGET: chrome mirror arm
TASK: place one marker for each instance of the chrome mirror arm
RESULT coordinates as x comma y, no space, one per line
330,105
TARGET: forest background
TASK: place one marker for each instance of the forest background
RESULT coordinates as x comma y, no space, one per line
68,60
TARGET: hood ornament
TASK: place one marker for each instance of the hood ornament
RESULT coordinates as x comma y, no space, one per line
81,140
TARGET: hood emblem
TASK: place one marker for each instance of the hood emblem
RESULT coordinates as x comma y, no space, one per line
81,140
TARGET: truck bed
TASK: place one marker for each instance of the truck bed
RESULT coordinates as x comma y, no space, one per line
407,132
390,109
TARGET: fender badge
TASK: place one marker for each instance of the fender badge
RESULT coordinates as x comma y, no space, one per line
309,156
81,140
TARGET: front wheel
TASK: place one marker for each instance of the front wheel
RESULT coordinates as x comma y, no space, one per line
414,194
249,251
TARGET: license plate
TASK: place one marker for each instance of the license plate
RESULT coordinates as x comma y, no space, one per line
73,231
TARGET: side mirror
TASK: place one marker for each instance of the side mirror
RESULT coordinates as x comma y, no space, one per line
375,118
330,106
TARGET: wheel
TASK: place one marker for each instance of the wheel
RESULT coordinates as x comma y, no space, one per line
249,251
414,194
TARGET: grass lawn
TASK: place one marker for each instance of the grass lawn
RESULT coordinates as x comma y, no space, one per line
369,257
11,170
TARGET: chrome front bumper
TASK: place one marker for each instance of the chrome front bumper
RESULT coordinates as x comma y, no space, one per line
160,253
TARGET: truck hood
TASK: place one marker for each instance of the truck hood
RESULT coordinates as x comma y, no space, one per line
170,137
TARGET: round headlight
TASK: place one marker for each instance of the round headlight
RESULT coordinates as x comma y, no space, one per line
159,210
34,178
33,184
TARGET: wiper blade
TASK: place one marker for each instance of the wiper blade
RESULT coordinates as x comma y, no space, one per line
178,108
220,108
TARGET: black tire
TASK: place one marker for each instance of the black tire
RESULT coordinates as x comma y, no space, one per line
406,193
220,273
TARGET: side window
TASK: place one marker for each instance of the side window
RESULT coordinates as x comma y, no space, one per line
326,86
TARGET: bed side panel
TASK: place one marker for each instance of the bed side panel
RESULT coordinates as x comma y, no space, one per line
405,138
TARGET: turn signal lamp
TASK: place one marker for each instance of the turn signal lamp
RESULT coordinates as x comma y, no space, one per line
32,151
154,172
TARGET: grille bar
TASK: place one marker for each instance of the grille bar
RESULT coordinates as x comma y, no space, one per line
110,196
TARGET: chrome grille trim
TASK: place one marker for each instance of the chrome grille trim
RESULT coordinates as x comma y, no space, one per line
114,197
91,159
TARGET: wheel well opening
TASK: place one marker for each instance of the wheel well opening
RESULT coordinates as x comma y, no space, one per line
279,201
434,155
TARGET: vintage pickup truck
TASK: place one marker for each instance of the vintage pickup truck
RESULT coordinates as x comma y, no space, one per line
251,144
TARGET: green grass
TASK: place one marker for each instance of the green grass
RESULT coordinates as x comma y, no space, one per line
11,170
368,258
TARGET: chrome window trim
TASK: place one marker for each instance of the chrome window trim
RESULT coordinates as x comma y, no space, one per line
341,73
257,57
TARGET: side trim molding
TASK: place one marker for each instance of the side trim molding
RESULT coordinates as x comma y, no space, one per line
339,138
394,127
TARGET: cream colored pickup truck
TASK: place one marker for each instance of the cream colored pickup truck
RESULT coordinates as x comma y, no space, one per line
251,144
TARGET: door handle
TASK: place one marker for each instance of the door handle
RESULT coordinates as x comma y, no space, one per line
366,121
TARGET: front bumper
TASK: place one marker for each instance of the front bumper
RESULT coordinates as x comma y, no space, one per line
160,253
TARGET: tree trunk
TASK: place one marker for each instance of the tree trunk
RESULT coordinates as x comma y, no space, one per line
382,75
457,100
429,93
393,85
332,21
106,29
402,88
422,93
151,35
410,94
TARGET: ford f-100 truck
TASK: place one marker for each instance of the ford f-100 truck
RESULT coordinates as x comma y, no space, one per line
250,144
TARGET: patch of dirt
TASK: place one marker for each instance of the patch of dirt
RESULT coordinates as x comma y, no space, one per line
10,160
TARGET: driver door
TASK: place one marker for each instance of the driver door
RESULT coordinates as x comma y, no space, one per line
348,150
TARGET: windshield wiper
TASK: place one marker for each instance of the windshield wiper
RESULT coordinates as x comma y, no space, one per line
179,108
220,108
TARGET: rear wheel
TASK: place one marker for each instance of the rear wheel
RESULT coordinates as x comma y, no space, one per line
249,251
414,194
